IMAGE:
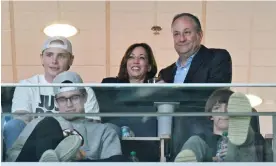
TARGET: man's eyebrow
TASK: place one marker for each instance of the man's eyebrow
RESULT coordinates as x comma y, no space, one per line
46,52
186,29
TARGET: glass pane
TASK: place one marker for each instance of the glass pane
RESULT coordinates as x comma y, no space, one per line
150,122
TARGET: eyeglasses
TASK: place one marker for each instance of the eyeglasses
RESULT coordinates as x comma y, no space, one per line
68,132
75,99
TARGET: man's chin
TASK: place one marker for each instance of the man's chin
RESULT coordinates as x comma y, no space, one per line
224,127
54,73
70,117
137,75
183,52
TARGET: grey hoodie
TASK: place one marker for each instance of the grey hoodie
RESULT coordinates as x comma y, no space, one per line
100,140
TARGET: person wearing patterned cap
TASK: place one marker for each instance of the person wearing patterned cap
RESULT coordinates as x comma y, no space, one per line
66,137
56,57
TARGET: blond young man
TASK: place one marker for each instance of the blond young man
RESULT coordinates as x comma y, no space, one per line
56,57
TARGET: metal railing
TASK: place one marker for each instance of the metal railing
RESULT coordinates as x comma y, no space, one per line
161,85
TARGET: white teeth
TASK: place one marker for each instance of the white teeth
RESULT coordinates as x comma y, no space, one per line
54,68
135,68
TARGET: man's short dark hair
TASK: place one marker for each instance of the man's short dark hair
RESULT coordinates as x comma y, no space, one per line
193,17
220,96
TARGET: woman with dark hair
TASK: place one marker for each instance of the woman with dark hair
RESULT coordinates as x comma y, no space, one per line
137,66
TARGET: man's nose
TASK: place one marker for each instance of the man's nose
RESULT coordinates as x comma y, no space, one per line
69,103
54,59
182,38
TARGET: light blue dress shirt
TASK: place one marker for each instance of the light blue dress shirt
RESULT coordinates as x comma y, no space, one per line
182,71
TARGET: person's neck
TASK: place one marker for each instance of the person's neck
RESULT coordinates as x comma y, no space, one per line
184,57
136,80
49,78
218,131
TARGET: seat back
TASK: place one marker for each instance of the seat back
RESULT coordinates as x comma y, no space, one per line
255,123
147,151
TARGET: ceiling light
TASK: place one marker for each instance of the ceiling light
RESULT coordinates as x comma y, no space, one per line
64,30
254,100
156,29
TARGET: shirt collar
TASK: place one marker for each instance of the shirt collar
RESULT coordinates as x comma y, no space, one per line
188,62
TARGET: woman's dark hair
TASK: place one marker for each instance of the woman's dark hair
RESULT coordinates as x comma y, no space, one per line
123,74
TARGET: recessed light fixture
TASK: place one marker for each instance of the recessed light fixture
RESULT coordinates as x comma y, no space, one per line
64,30
254,100
156,29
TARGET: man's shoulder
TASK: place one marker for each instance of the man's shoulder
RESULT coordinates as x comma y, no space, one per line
170,67
217,52
31,80
97,130
98,127
213,56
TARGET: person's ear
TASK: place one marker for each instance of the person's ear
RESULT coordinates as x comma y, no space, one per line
200,35
71,60
85,97
41,59
55,102
149,68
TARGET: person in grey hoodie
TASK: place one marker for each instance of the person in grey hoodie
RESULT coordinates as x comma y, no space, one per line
66,138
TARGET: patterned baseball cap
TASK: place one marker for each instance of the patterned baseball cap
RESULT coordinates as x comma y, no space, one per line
67,77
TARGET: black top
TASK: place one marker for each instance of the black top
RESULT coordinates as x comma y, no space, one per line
116,80
145,150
